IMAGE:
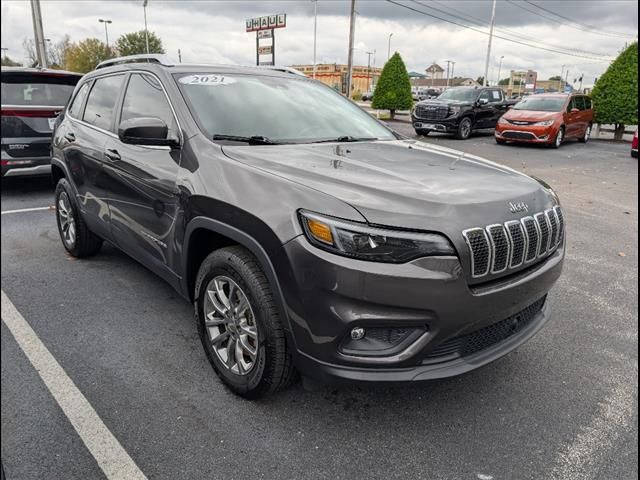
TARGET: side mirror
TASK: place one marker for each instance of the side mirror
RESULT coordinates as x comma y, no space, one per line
483,101
145,131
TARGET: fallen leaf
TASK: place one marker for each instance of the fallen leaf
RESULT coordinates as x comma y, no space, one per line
622,254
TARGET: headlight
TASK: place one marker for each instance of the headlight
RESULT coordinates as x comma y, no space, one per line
454,110
363,242
546,123
549,189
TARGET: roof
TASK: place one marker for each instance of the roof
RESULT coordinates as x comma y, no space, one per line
416,75
441,82
434,67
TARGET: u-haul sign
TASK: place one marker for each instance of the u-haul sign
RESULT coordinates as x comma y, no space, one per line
266,23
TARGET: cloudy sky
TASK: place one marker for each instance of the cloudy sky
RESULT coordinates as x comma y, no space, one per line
214,31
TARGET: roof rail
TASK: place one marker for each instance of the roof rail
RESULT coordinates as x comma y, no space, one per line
283,69
144,58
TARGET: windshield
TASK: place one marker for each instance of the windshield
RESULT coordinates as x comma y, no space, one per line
459,94
541,104
37,89
292,110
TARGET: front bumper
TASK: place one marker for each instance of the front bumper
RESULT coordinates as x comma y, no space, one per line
526,133
447,125
335,294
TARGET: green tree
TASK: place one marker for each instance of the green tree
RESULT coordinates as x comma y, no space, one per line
134,43
393,91
505,81
555,78
7,62
83,57
480,80
615,95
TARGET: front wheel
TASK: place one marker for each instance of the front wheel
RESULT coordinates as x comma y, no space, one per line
424,133
559,138
76,237
240,326
464,129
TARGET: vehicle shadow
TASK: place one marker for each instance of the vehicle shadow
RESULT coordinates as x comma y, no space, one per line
20,185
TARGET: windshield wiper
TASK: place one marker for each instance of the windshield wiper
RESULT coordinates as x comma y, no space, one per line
254,140
346,138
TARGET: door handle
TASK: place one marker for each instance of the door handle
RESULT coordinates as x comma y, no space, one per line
112,154
70,136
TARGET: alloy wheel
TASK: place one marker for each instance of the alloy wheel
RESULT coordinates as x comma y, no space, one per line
67,221
231,325
587,133
559,137
465,128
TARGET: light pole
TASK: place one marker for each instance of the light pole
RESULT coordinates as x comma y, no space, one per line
369,70
106,33
560,82
499,69
352,32
315,34
486,65
146,32
389,47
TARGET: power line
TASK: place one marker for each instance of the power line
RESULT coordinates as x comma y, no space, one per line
517,4
589,27
497,36
505,31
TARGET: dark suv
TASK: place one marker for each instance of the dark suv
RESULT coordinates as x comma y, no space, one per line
31,100
309,237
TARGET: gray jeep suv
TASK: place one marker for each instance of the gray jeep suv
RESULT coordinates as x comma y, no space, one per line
309,237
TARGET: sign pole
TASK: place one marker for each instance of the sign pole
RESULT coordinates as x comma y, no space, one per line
273,47
257,50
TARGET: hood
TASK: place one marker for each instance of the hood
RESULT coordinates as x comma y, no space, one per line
530,115
436,101
402,183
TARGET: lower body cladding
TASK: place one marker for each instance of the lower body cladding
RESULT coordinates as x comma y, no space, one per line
358,321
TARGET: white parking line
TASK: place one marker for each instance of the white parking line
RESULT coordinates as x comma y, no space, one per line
114,461
22,210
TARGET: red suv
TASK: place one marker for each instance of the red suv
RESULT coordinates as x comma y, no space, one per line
548,118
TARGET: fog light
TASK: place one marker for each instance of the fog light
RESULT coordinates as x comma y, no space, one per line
357,333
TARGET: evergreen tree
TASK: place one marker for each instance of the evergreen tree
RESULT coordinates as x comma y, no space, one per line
615,95
393,91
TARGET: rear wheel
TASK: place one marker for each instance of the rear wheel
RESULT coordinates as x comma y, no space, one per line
76,237
240,326
464,129
587,135
559,138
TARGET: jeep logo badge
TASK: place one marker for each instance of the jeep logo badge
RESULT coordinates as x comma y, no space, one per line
517,207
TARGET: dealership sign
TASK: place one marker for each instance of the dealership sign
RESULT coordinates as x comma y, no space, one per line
266,23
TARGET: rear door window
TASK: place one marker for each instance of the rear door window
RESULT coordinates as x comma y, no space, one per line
76,105
579,102
42,90
102,101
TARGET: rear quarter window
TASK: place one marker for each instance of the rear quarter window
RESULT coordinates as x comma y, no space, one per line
75,109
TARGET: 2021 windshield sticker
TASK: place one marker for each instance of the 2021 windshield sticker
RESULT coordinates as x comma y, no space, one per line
207,79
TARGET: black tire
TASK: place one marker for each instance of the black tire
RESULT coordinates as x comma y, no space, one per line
85,242
273,367
559,138
587,135
465,127
500,141
422,132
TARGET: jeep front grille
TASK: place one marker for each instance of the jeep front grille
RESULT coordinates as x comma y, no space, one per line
499,247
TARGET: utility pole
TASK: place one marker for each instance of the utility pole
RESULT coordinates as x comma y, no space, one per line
315,34
146,31
369,70
448,64
352,32
566,77
36,15
106,33
560,86
486,65
389,47
453,64
179,56
499,70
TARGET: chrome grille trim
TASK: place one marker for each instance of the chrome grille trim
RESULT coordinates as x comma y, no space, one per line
495,231
500,247
467,237
512,227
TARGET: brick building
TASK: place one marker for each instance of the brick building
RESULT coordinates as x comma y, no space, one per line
335,75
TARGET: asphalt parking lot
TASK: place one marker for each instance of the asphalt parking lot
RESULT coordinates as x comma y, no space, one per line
562,406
